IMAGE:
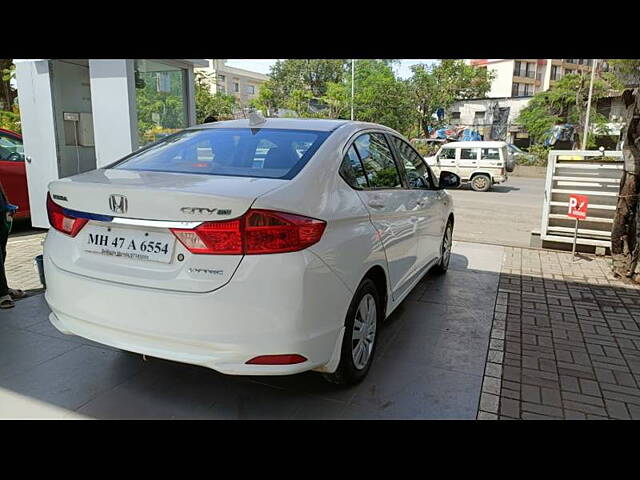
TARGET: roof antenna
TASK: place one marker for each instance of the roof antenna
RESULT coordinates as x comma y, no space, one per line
255,119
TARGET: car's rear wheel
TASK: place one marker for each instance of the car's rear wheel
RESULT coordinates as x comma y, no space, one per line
445,249
481,182
360,335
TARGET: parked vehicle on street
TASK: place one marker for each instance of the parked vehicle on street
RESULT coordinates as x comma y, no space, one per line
252,249
519,156
482,164
13,175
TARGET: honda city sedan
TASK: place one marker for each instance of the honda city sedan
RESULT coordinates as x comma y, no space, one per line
266,247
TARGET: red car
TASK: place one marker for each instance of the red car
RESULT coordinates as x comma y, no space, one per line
13,175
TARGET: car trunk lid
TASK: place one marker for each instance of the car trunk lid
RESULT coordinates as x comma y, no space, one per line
130,214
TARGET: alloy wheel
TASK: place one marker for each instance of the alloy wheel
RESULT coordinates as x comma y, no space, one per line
364,331
446,246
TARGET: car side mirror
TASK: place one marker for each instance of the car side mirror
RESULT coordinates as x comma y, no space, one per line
448,180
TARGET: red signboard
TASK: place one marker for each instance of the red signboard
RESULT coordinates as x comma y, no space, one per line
578,206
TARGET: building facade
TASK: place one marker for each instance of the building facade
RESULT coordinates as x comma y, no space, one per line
526,77
243,84
515,82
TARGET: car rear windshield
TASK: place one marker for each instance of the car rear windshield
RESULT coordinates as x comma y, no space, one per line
243,152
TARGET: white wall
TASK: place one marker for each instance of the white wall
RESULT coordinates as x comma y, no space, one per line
35,98
113,99
502,83
71,93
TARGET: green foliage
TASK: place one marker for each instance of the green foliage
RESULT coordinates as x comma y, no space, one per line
293,82
219,105
159,111
627,71
8,94
440,85
538,155
380,97
10,120
322,88
566,102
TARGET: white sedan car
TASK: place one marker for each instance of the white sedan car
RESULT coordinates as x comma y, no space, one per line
251,249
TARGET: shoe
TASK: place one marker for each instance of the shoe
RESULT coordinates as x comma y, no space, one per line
6,302
16,293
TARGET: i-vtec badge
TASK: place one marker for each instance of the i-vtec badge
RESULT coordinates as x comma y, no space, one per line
205,210
118,203
206,270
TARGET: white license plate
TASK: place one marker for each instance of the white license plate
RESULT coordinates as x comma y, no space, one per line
128,243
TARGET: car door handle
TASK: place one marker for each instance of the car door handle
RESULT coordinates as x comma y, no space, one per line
375,204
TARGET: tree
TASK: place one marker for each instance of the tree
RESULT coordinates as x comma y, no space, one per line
440,85
9,112
566,102
219,105
8,94
625,233
380,97
293,82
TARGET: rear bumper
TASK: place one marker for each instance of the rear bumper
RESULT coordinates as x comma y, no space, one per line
292,305
499,178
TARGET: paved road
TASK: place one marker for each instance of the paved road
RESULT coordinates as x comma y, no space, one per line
503,216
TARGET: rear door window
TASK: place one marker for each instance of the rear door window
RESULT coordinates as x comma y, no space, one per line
266,152
380,168
469,153
11,148
351,169
490,154
414,166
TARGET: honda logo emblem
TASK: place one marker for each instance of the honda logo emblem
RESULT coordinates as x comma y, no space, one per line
118,203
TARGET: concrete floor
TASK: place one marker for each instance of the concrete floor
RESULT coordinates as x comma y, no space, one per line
430,362
505,215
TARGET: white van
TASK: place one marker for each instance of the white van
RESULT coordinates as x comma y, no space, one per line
480,163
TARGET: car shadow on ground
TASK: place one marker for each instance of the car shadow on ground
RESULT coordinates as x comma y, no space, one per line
494,188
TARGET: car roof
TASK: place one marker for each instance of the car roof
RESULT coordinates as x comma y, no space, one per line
10,132
317,124
486,144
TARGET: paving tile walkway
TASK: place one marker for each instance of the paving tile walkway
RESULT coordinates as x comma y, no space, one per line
21,250
565,340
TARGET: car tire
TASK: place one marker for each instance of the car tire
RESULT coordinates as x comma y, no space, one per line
481,182
445,249
510,164
353,366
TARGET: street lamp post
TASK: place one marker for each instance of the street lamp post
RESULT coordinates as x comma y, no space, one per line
586,120
353,71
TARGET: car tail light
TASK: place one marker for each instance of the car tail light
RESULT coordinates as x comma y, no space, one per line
289,359
256,232
222,238
62,221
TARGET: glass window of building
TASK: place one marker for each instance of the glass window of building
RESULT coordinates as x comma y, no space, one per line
161,92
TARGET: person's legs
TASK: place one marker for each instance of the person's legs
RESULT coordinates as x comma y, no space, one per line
4,288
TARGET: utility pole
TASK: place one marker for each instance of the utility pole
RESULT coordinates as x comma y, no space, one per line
586,120
353,76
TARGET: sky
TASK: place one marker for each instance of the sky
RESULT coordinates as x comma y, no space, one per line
262,65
